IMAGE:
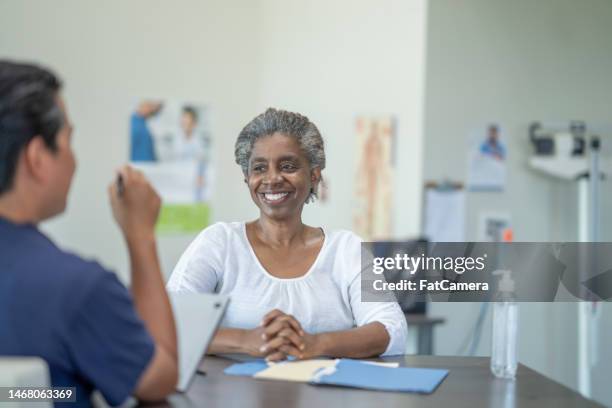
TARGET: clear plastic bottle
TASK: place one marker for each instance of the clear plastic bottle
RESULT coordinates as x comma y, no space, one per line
505,326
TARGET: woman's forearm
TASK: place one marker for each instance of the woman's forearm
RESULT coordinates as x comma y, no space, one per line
228,340
370,340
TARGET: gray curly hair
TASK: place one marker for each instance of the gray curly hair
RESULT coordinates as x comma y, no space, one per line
288,123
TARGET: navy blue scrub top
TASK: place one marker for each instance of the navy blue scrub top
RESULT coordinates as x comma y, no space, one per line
73,313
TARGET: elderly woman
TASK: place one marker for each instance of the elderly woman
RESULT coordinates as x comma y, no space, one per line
295,289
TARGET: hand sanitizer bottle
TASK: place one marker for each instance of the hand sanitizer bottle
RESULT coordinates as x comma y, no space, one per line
505,322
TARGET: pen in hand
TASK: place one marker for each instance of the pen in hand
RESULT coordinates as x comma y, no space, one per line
120,186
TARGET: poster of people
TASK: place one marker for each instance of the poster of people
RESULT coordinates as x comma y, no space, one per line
375,172
170,143
487,160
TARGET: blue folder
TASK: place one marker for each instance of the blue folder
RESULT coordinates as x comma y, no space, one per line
246,369
357,374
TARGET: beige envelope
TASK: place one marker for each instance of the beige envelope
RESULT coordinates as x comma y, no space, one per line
302,371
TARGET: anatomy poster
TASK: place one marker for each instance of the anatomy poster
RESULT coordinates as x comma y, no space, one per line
375,138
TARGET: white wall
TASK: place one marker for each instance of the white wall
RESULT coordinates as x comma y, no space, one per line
333,60
110,54
328,60
514,62
487,59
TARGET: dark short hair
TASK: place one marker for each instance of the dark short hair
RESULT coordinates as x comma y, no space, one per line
28,108
190,110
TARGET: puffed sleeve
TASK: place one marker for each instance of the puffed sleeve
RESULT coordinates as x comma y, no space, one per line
387,313
200,268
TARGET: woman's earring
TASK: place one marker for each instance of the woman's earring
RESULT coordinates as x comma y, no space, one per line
312,196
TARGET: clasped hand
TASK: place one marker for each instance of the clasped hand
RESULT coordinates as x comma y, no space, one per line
280,335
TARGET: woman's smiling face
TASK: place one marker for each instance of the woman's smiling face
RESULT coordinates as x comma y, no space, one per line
279,176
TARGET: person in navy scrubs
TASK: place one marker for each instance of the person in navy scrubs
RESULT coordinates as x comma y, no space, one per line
73,313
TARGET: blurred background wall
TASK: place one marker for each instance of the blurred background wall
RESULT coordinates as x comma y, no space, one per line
514,62
328,60
441,67
110,55
334,60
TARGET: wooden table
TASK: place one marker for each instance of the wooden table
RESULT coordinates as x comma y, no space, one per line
468,384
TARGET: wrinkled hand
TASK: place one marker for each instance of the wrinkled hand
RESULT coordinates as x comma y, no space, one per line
136,207
277,329
253,341
258,343
284,336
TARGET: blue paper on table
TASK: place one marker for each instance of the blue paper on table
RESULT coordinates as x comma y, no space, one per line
357,374
247,369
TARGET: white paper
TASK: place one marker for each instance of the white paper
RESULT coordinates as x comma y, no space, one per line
175,182
486,173
445,215
487,155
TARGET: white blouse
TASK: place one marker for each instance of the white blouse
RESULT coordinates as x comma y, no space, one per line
326,298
